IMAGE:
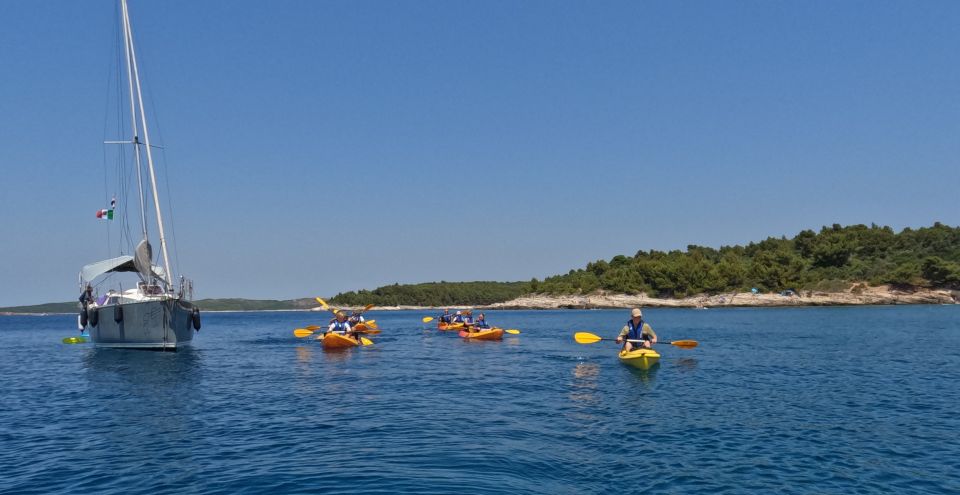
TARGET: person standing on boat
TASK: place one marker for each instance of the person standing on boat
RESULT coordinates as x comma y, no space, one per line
636,329
87,297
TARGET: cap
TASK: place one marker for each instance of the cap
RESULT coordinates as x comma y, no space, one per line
636,313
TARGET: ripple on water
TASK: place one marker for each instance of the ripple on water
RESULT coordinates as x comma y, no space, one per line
813,400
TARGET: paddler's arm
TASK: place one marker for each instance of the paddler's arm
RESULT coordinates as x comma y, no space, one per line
649,331
623,333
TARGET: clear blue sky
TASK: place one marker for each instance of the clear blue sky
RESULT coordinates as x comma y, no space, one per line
315,147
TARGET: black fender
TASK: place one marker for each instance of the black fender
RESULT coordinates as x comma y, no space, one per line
118,313
93,316
195,318
83,317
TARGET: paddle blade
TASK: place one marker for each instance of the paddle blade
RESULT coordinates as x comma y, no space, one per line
367,308
685,344
302,332
513,331
365,341
371,323
427,319
586,338
74,340
313,327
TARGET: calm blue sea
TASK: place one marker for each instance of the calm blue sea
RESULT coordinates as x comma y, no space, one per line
807,400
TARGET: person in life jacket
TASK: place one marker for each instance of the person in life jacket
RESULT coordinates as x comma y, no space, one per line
468,318
340,324
636,329
446,317
355,319
481,322
458,318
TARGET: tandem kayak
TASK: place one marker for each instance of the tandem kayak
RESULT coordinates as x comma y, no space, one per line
640,358
334,340
449,326
491,334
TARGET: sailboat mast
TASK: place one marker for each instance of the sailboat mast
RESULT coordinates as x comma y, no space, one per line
146,142
133,124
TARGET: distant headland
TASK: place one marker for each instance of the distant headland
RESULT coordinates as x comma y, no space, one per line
852,265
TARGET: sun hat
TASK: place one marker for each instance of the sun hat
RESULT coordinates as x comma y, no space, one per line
636,313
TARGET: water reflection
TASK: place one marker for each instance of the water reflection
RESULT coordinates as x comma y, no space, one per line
136,393
686,364
584,385
645,377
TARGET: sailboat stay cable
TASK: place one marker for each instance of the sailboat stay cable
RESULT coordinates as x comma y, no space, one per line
128,49
146,142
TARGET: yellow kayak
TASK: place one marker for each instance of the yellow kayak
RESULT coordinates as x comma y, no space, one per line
334,340
639,358
491,334
449,326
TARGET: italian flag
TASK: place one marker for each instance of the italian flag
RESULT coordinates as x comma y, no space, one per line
105,214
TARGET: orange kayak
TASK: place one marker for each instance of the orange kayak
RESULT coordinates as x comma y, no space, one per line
334,340
491,334
449,326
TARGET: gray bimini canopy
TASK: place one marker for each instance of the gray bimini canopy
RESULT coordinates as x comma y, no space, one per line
119,264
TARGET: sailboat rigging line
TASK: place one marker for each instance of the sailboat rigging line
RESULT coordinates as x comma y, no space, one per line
113,74
164,169
128,50
173,223
146,141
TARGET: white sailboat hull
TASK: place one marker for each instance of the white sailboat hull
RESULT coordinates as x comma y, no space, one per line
158,325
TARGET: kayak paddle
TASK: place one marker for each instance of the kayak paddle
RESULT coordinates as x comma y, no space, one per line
589,338
427,319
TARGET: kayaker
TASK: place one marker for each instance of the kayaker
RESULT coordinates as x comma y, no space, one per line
355,319
340,324
636,329
446,317
458,318
481,322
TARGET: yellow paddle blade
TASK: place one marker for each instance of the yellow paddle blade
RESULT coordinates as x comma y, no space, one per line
371,323
365,341
513,331
427,319
685,344
586,338
322,302
302,332
367,308
371,331
313,327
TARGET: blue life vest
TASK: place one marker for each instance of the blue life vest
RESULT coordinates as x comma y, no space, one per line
340,326
446,318
482,324
458,319
636,332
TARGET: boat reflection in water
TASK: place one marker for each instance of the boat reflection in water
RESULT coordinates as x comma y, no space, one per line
645,377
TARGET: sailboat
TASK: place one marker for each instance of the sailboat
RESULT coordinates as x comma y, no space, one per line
153,313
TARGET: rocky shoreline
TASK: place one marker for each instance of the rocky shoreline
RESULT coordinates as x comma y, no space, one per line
858,295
